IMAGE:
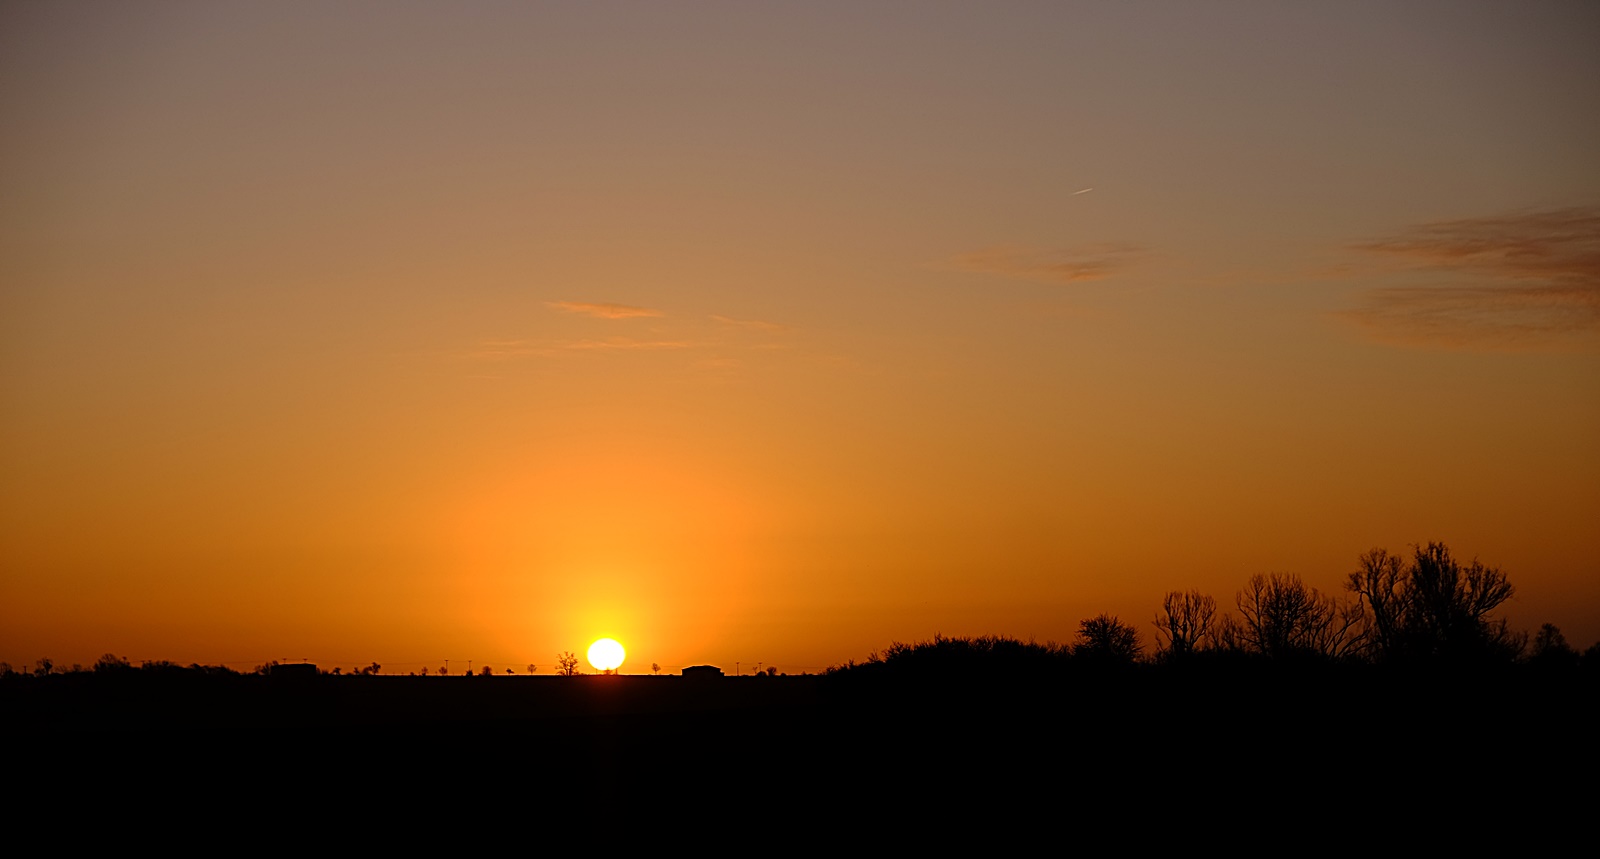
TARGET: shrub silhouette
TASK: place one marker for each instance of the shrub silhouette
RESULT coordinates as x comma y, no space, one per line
111,663
950,657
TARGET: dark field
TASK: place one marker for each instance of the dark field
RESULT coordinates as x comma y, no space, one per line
1203,733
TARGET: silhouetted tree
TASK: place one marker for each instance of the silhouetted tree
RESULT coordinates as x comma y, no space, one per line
486,671
43,666
655,668
567,664
1433,607
111,663
1184,624
1551,650
1282,617
1104,638
444,670
424,671
533,669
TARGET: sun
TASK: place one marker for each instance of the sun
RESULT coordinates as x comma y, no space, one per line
606,654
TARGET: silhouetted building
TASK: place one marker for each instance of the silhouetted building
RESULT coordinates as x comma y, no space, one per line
702,671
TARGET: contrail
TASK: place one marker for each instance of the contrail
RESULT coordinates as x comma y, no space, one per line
1076,193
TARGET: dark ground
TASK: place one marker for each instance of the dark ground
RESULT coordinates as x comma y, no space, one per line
1146,733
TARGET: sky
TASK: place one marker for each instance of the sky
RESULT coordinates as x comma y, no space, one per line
758,332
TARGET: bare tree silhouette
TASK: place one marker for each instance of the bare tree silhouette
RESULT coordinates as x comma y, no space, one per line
1280,616
1104,638
1433,607
1184,624
567,664
111,663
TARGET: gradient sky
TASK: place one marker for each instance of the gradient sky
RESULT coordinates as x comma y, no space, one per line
757,331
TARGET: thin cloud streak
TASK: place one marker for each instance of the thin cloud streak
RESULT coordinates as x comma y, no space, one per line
1087,263
604,310
500,350
624,343
1527,280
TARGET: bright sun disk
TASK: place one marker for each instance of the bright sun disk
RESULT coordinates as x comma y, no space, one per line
606,654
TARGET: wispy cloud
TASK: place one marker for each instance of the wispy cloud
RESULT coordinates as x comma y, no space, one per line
625,343
604,310
1522,280
1074,265
752,324
500,350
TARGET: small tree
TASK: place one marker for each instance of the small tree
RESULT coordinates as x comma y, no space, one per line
1104,638
1184,624
567,664
1550,648
111,663
655,668
486,671
533,669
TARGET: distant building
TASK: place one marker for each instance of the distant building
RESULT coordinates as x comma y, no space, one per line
702,671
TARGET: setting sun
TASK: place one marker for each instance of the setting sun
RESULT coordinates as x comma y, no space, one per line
606,654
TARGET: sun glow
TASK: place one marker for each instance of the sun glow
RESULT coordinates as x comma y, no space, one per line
606,654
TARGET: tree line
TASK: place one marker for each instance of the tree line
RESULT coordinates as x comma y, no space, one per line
1422,608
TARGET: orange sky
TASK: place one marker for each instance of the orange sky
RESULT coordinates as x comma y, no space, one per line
406,332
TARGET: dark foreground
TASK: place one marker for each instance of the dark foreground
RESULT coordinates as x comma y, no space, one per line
1208,739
